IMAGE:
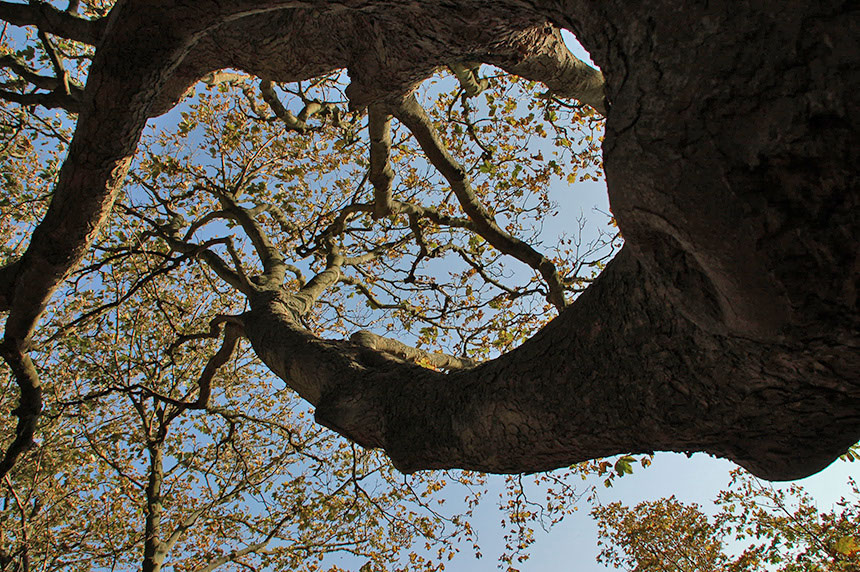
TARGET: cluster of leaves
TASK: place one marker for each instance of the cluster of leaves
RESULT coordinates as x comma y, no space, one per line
757,527
153,450
128,469
431,279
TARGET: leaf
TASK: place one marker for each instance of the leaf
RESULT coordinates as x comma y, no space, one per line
624,465
847,545
852,454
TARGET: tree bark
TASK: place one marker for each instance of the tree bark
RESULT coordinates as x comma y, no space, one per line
619,371
153,547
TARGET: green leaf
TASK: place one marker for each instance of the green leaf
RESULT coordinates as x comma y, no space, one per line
624,465
847,545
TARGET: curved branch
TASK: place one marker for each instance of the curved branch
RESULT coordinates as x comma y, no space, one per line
274,269
302,301
550,62
593,383
234,277
424,419
144,61
233,331
681,344
29,404
54,21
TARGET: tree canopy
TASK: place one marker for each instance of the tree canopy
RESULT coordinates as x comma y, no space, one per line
757,527
293,199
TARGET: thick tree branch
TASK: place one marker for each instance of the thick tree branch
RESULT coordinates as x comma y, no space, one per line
270,256
550,62
48,19
233,331
730,131
381,404
232,276
57,99
219,77
381,173
302,301
292,122
467,74
47,83
617,384
144,61
29,405
267,90
120,89
153,548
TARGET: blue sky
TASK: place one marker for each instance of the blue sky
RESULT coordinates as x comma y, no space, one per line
572,545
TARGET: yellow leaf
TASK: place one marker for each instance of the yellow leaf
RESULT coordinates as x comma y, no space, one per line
847,545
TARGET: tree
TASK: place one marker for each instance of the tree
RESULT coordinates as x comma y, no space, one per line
757,527
728,322
128,476
194,454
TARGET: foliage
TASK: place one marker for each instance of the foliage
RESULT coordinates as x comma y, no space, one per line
125,467
757,527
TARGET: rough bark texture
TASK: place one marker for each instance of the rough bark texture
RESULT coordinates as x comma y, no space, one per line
728,323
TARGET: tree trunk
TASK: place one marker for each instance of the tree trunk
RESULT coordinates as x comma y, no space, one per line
153,547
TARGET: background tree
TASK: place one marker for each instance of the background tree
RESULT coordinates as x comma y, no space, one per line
757,527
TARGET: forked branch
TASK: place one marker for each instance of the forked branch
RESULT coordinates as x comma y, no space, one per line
413,116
